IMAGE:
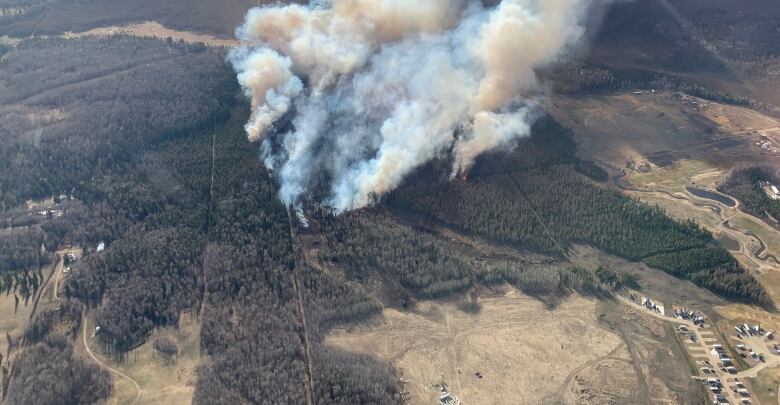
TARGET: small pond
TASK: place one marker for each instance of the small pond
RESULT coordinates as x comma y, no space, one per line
710,195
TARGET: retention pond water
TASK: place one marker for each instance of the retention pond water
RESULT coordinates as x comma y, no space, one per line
711,195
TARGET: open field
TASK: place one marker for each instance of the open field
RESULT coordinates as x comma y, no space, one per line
525,352
161,380
662,286
741,313
661,128
766,386
12,323
626,127
156,30
678,175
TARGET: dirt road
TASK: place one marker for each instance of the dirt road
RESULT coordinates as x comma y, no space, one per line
103,365
300,261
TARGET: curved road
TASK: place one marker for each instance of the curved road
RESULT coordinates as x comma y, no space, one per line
713,207
100,363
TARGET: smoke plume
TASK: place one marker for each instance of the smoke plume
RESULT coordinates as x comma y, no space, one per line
376,88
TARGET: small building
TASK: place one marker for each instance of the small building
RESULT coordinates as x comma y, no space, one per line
101,246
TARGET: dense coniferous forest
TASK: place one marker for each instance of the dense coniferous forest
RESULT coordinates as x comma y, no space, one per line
253,329
189,216
144,280
362,242
74,110
22,255
535,198
374,242
22,251
747,185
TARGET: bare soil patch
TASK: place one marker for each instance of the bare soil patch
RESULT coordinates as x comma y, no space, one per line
522,350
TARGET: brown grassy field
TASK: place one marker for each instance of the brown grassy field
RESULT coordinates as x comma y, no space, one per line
661,129
155,29
766,386
624,127
13,324
162,381
525,351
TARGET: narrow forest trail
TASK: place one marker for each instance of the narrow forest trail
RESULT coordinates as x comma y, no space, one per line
204,292
300,261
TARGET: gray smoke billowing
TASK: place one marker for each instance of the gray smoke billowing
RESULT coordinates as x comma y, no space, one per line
380,87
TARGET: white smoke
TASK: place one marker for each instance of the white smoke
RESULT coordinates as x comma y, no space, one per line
379,87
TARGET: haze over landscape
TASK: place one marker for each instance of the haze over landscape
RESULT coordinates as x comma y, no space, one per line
390,201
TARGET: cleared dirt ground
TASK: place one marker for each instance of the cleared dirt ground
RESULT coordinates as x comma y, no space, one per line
525,351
